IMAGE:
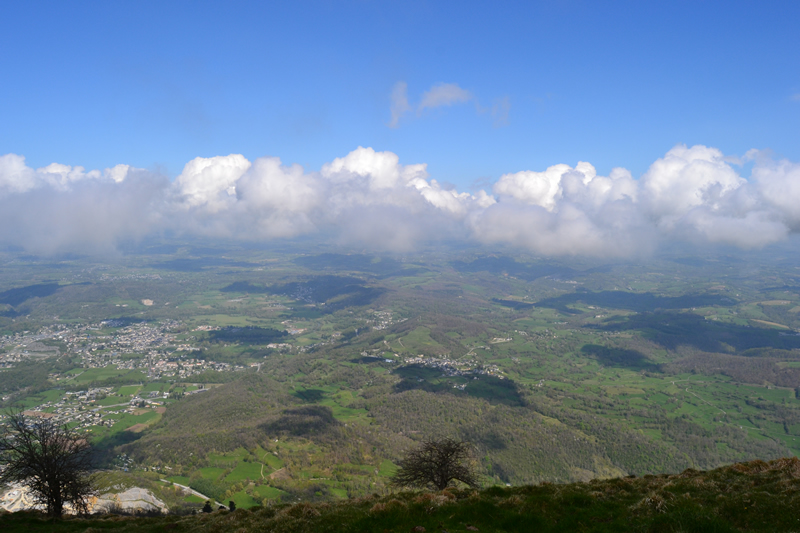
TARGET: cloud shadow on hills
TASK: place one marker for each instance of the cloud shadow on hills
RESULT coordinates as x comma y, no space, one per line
380,267
673,329
336,292
302,421
309,395
14,297
631,301
251,335
513,304
490,388
619,357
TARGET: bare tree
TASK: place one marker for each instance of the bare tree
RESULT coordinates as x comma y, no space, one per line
437,463
51,459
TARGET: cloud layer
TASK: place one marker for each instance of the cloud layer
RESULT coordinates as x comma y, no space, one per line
368,198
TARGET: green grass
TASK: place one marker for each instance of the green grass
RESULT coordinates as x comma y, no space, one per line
224,320
244,500
339,493
245,470
112,400
155,386
125,421
272,493
226,458
211,472
387,468
99,374
419,338
34,400
271,460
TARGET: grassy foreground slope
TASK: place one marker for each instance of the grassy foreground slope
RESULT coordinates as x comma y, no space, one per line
754,496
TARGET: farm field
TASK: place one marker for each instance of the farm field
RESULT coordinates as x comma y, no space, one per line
305,378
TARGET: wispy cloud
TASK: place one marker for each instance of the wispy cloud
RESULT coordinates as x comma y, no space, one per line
500,109
399,103
443,94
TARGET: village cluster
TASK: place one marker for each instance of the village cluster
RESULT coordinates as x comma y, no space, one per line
154,349
80,409
449,367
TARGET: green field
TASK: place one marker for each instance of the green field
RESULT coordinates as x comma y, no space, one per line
556,370
97,374
245,471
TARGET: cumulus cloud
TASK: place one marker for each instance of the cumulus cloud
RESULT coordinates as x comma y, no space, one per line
370,198
779,184
209,183
17,177
566,210
686,178
366,196
691,194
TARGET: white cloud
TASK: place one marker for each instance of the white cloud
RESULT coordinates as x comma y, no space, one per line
565,210
380,170
537,188
753,229
210,182
90,214
500,109
779,185
688,177
15,175
399,103
276,201
372,199
443,94
569,230
693,194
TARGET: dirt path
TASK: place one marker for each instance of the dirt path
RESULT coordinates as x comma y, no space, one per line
193,492
263,465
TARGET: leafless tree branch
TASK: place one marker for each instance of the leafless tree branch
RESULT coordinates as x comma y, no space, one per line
52,460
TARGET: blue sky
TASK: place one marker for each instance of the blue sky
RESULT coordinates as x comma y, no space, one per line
156,84
556,127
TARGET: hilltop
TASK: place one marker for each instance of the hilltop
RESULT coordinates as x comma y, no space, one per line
752,496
